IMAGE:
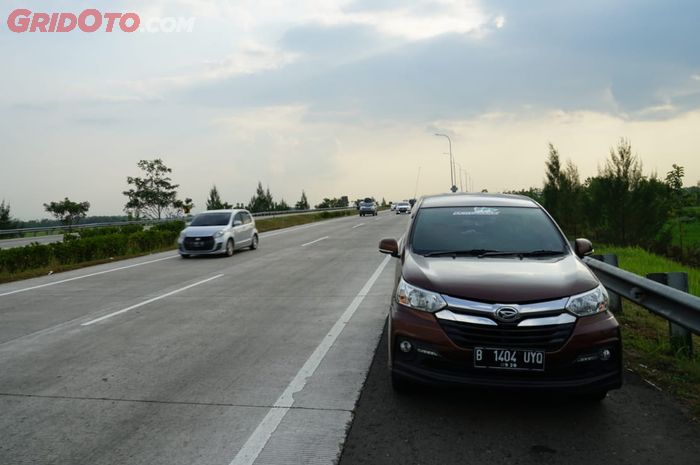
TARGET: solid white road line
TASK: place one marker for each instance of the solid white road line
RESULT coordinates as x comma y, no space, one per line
119,312
257,441
317,240
358,225
17,291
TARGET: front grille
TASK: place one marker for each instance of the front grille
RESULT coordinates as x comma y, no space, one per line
199,243
467,335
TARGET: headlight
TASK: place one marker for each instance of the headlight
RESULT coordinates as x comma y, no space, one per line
419,299
589,303
220,233
182,236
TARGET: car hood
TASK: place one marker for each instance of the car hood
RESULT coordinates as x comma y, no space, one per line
202,231
500,279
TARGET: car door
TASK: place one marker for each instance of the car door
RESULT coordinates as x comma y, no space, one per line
249,227
239,235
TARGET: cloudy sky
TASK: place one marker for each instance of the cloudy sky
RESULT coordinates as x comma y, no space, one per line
343,97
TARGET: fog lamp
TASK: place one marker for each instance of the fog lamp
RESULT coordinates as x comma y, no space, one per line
605,355
405,346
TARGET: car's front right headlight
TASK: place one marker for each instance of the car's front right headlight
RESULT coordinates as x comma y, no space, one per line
589,303
182,236
419,299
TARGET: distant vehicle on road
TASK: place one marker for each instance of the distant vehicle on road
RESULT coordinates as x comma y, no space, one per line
403,207
490,293
368,207
218,232
392,206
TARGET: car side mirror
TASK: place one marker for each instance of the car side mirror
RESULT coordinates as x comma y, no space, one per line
389,246
583,247
237,223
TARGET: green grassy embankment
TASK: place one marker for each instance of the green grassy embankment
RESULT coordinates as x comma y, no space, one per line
645,335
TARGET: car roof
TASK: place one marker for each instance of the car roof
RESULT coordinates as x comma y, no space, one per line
234,210
477,200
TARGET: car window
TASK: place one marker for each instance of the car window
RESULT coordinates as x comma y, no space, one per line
211,219
247,219
238,217
500,229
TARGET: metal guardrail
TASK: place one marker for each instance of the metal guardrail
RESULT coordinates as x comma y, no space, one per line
8,232
678,307
59,228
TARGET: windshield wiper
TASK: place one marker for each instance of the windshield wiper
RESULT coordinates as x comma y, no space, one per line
454,253
542,253
531,253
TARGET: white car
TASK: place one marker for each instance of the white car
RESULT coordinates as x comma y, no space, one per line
403,207
218,232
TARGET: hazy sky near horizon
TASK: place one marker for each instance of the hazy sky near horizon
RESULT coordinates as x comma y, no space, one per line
343,97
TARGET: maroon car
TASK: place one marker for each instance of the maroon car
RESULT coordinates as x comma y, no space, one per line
490,293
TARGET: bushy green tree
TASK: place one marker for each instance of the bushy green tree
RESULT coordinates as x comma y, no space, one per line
5,217
68,212
262,201
623,206
152,195
303,203
214,201
562,194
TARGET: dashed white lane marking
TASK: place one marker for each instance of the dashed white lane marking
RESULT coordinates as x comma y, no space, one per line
17,291
358,225
317,240
146,302
257,441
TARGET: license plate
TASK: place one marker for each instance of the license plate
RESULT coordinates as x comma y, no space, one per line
509,359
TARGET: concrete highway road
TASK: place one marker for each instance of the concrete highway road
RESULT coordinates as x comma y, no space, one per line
22,241
260,358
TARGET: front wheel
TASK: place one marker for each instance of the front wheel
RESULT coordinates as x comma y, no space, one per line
229,248
256,242
184,255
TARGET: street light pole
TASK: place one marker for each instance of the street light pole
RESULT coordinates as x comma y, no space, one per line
461,186
452,167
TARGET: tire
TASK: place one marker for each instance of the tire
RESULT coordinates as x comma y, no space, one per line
398,213
256,242
229,248
184,255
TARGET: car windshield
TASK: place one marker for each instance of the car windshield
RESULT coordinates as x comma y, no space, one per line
484,229
211,219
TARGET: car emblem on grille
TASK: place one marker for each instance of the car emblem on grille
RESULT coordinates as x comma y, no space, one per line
507,314
198,239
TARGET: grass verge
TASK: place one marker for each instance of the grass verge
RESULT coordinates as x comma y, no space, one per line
645,335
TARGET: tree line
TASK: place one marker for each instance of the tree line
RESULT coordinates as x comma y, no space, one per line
153,195
620,205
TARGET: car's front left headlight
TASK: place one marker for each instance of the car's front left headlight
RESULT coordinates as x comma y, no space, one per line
419,299
589,303
220,233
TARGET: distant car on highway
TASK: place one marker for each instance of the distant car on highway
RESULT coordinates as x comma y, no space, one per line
368,207
403,207
392,206
488,292
218,232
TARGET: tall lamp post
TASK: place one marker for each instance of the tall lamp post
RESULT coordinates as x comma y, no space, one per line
453,188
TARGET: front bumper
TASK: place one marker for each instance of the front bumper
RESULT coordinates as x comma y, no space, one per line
216,248
436,359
